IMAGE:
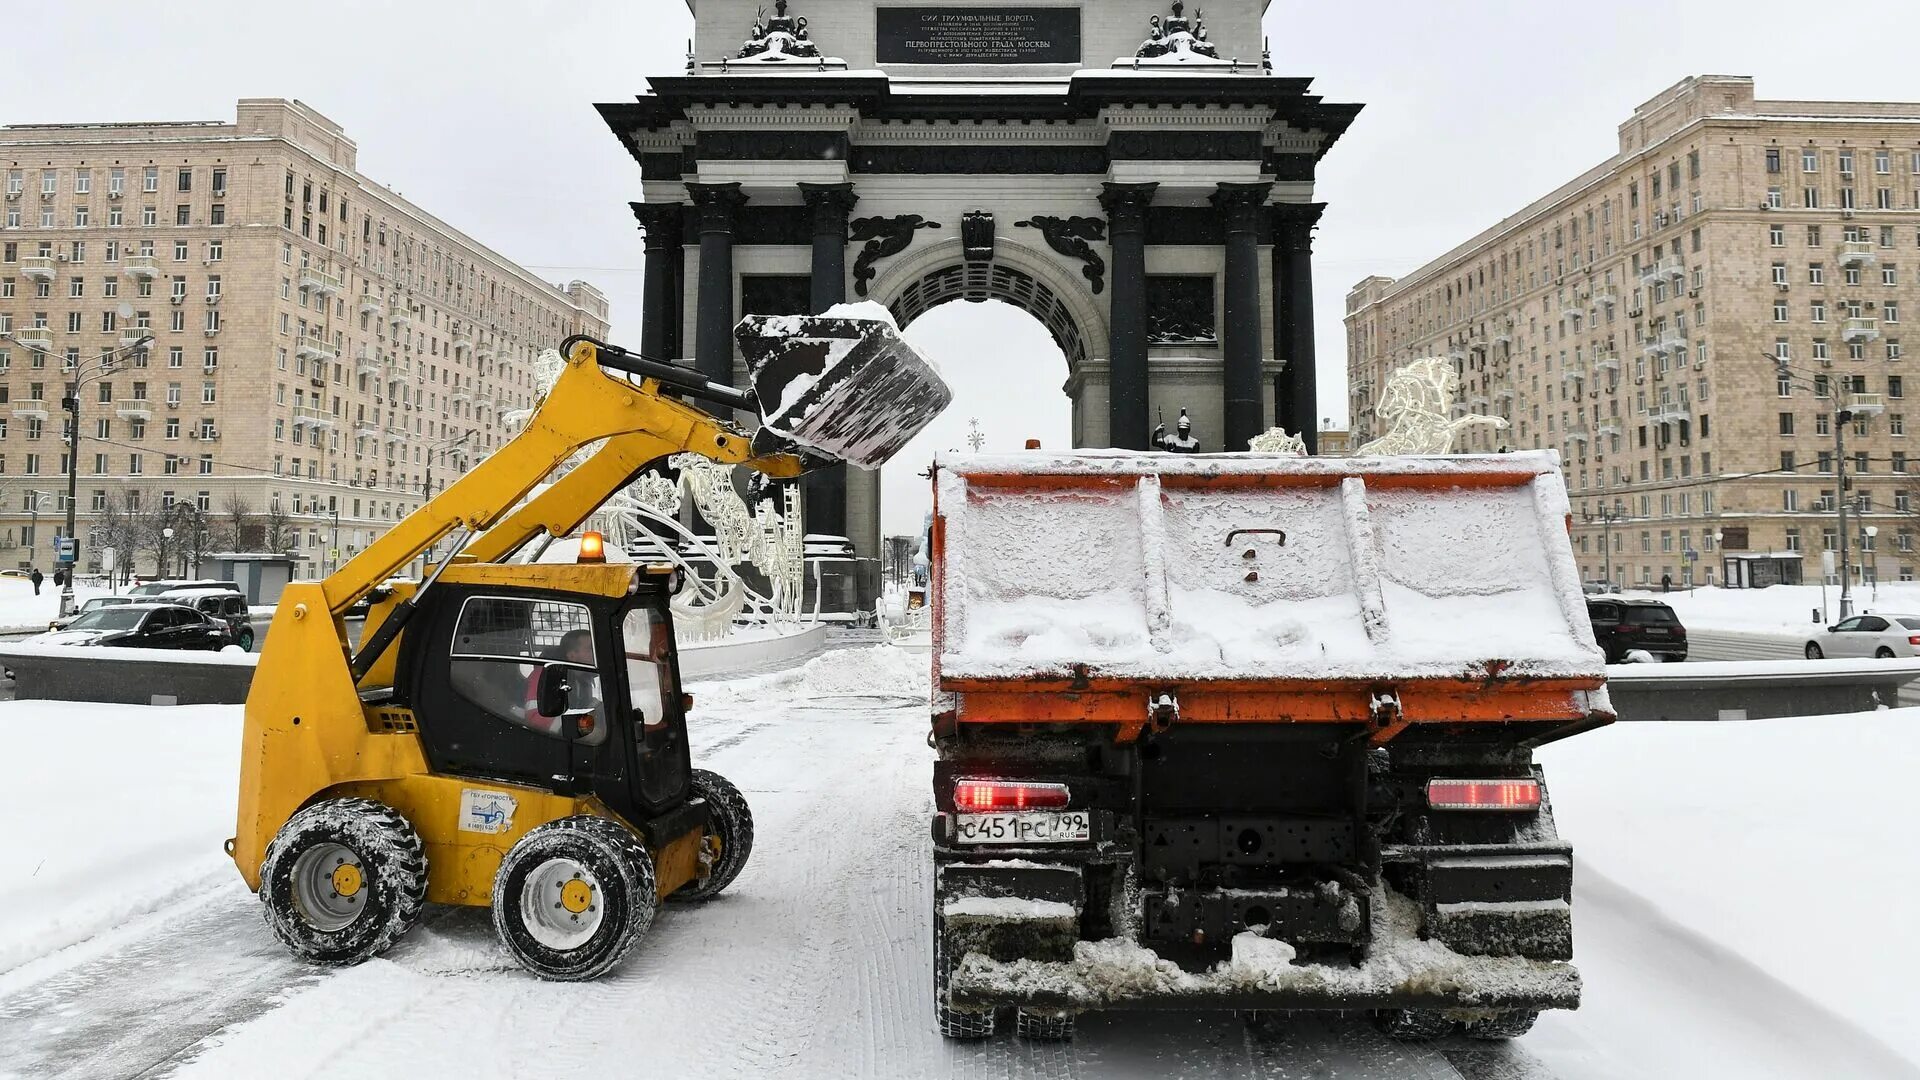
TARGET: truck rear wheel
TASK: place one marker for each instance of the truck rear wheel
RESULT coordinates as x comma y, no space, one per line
1412,1025
954,1023
1043,1025
573,896
1507,1025
732,823
343,880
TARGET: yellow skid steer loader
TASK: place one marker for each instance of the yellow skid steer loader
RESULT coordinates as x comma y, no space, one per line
511,734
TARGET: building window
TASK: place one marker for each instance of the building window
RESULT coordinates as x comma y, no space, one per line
1786,423
1816,274
1777,236
1779,273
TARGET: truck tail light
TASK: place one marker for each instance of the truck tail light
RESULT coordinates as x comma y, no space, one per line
1483,794
978,796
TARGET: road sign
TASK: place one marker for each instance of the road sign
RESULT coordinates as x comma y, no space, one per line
1693,555
67,550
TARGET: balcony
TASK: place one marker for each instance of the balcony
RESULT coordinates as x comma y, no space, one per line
1857,330
312,417
1610,428
371,305
1605,297
364,430
1504,395
132,336
1606,361
36,338
1578,433
400,315
1667,342
1671,266
319,281
1858,253
366,363
30,409
313,348
140,267
1575,306
1866,404
463,338
460,397
37,267
1667,412
484,354
1502,334
139,410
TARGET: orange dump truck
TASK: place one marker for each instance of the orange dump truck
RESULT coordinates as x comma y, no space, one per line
1253,732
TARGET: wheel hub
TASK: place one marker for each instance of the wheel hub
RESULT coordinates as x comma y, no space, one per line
328,882
560,904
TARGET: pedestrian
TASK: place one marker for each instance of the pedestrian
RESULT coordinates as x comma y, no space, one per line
1666,582
36,577
59,578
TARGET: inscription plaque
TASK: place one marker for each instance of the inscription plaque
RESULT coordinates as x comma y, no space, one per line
977,35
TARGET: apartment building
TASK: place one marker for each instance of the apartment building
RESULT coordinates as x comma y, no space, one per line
323,352
1637,320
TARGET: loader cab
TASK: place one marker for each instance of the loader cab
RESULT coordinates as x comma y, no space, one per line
572,691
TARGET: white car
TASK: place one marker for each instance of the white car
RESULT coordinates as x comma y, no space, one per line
1882,636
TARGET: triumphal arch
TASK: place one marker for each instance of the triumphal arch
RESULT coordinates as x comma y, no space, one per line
1133,173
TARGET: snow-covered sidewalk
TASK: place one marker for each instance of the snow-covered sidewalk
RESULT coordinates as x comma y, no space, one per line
21,612
1779,609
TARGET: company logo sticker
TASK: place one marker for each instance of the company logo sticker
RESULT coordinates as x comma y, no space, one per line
485,811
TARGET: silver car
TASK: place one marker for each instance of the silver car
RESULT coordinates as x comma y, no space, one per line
1874,635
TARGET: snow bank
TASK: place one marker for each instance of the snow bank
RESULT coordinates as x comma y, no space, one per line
877,670
1141,566
1783,609
22,612
118,809
1785,841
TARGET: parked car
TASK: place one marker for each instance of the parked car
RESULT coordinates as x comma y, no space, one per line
228,608
1882,636
162,587
141,626
1596,588
94,604
1622,625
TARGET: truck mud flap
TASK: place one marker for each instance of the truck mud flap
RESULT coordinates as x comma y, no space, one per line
1401,971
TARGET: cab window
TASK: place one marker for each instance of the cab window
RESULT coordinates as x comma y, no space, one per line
501,647
646,638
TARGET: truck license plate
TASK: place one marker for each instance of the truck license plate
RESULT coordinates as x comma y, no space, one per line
1066,827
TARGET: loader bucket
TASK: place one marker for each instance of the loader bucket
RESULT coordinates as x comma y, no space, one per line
848,388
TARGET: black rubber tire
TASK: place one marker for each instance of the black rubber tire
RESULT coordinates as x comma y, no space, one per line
392,868
1507,1025
245,639
732,823
1883,653
623,871
1813,651
954,1023
1412,1025
1043,1025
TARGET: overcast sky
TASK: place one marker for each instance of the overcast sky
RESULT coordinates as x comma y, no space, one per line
480,111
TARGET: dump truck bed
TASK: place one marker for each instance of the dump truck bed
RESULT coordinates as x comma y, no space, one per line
1248,569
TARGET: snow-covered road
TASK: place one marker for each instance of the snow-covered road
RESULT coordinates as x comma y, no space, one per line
816,963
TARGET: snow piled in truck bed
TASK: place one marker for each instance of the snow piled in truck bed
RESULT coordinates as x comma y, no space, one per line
1137,580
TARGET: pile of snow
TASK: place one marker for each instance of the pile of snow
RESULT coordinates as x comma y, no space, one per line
1128,568
138,827
878,668
22,612
1786,841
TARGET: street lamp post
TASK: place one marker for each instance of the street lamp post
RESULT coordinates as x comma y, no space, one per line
333,553
1842,416
1870,566
426,488
83,373
1606,517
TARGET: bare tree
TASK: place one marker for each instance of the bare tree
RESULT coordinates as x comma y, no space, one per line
277,529
236,529
122,527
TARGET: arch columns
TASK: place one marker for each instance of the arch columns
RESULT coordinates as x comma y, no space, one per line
1240,205
825,492
713,323
1126,207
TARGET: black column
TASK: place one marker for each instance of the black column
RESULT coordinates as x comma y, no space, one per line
1240,205
824,493
1126,207
661,223
1295,403
713,324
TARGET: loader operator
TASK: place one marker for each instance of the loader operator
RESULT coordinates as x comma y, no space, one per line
583,702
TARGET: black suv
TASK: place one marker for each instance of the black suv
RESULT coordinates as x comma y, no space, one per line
1621,625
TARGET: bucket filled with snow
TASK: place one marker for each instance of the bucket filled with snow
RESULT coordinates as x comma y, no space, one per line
843,383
